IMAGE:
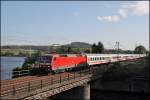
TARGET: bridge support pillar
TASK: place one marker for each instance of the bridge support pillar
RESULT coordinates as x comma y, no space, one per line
86,92
78,93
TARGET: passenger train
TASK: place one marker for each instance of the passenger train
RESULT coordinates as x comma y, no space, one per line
52,63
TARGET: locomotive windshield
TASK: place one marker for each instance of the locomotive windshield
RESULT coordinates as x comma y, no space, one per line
45,59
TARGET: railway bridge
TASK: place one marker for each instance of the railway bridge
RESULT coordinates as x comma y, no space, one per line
35,87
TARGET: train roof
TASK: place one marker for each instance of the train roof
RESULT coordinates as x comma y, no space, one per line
89,55
64,55
110,55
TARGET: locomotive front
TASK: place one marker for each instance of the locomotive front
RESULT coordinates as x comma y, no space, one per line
45,63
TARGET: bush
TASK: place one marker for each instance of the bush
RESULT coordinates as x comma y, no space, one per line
116,73
34,71
17,69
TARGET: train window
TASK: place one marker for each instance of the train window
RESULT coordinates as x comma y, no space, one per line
89,59
97,58
45,59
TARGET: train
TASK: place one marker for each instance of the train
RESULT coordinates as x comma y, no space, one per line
55,63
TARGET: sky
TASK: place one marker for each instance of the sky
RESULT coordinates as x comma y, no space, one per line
63,22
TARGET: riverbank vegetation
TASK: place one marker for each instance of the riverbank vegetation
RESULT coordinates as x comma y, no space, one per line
126,70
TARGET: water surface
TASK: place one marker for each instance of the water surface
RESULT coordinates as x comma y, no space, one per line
8,64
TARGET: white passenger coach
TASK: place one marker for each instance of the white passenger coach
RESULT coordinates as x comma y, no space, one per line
93,59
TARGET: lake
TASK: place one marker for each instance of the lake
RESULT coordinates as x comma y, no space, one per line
8,64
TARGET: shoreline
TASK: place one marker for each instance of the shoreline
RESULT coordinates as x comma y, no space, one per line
13,56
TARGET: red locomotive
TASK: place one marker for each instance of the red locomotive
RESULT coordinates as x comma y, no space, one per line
57,63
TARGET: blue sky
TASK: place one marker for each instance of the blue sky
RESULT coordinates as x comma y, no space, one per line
46,23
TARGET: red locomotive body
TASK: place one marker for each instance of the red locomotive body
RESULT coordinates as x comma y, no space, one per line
59,62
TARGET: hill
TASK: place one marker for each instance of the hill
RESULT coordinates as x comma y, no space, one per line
33,47
79,45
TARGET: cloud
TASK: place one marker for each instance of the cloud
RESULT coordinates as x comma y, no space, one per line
113,18
140,8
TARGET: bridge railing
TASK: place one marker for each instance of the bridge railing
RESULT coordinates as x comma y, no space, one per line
20,73
25,87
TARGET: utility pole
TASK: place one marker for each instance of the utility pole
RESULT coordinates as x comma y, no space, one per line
117,43
30,51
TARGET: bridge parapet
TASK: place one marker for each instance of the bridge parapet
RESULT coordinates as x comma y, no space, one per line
46,87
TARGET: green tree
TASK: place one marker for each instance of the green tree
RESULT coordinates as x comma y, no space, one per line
69,50
62,49
140,50
94,48
97,48
87,50
100,47
31,59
